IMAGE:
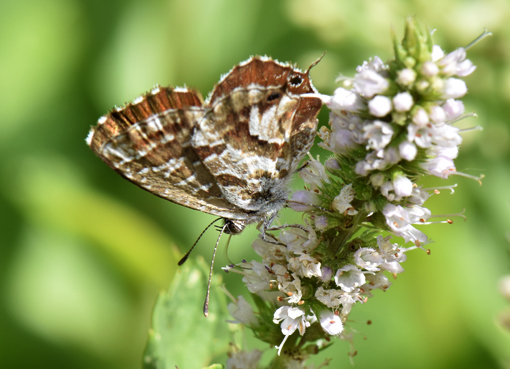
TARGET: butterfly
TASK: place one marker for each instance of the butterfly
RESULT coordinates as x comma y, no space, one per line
231,155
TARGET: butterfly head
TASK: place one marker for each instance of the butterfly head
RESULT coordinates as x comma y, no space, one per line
234,226
300,83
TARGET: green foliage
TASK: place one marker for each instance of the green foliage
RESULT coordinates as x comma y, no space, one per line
83,253
180,335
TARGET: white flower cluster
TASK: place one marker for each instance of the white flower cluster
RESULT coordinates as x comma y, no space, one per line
394,120
290,275
392,127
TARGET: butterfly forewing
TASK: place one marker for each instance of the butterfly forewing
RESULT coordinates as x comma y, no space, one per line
148,142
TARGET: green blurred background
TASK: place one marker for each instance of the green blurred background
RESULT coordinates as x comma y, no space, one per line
84,252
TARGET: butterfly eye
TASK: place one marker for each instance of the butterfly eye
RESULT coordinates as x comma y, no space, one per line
296,81
273,96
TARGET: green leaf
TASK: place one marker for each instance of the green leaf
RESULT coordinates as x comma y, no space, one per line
180,335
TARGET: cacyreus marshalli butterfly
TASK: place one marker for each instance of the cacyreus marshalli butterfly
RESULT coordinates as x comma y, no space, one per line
231,155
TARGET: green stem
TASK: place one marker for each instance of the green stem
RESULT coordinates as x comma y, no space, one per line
338,244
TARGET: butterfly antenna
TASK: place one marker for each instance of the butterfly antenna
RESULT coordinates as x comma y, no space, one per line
226,250
315,63
185,257
206,302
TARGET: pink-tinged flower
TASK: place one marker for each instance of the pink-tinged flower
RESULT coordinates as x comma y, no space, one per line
292,289
332,163
362,168
391,155
465,68
440,166
447,152
369,83
372,162
387,189
349,277
453,108
398,221
380,106
344,99
305,266
303,200
455,63
270,252
453,88
446,136
378,134
321,222
421,136
375,64
437,114
343,141
334,298
297,240
331,323
326,274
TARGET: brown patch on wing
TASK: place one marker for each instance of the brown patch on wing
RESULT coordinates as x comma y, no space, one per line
158,101
148,143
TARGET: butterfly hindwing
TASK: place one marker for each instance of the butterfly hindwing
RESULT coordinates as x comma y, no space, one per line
148,142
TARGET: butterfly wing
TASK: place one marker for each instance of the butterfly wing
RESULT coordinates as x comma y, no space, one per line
148,142
256,132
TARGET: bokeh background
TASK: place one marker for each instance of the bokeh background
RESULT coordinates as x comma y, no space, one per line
84,253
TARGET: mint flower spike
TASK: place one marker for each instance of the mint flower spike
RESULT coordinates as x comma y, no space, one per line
389,125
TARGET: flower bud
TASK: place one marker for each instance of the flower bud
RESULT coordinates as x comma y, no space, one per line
303,200
420,117
379,106
454,88
429,69
437,114
453,108
407,150
406,77
403,101
402,185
